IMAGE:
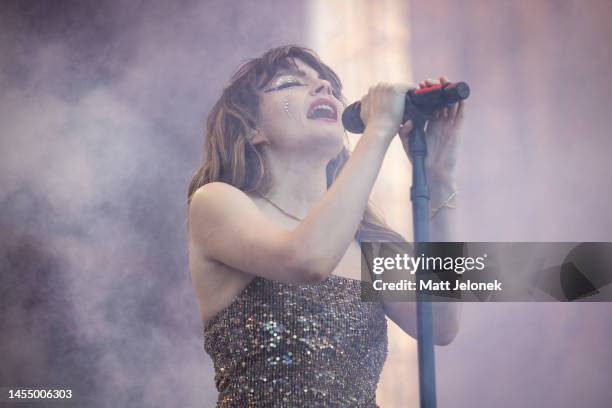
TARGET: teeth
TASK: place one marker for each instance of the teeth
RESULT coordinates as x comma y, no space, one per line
324,107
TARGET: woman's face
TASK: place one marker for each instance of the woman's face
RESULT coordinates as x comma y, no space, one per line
298,111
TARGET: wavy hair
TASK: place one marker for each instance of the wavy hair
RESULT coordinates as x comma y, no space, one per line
230,157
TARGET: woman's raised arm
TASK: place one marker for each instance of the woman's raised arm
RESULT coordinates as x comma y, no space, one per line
228,227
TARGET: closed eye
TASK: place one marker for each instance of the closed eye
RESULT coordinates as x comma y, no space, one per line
284,85
288,84
291,83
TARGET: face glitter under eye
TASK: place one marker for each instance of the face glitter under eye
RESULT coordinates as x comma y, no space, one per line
286,106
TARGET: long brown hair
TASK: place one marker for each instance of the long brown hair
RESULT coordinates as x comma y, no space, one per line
230,157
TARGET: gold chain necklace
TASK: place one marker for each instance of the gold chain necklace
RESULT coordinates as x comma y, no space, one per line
279,208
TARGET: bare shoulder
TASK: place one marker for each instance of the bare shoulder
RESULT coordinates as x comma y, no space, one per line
232,239
217,197
212,205
218,187
215,283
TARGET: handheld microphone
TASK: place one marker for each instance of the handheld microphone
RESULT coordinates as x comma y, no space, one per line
424,100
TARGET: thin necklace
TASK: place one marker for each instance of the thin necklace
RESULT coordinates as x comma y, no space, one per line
280,209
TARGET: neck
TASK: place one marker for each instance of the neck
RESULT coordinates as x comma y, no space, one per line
297,182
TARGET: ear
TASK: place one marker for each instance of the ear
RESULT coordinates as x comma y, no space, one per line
257,136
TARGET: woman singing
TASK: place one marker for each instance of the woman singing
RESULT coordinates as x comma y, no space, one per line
276,214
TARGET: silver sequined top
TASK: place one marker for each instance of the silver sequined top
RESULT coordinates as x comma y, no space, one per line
310,345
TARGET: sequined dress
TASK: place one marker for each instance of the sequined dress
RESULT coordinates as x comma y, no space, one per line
310,345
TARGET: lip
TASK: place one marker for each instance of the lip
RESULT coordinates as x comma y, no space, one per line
325,101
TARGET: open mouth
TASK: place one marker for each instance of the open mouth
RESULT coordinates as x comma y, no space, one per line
322,109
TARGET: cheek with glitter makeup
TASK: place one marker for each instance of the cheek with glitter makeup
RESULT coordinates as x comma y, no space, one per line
286,104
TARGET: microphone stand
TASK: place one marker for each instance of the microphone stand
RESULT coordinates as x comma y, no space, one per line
429,100
419,195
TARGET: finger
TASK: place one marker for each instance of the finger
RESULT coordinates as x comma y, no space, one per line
422,84
444,79
405,129
363,112
453,109
431,82
402,87
460,113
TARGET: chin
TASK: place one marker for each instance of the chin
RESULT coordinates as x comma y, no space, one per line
330,142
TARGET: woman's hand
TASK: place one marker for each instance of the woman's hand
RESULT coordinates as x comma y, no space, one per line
383,108
442,137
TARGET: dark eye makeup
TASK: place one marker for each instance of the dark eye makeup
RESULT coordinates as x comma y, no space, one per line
287,85
293,82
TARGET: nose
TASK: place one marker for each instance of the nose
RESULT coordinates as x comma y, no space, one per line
322,86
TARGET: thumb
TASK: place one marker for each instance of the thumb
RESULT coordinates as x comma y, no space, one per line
405,129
